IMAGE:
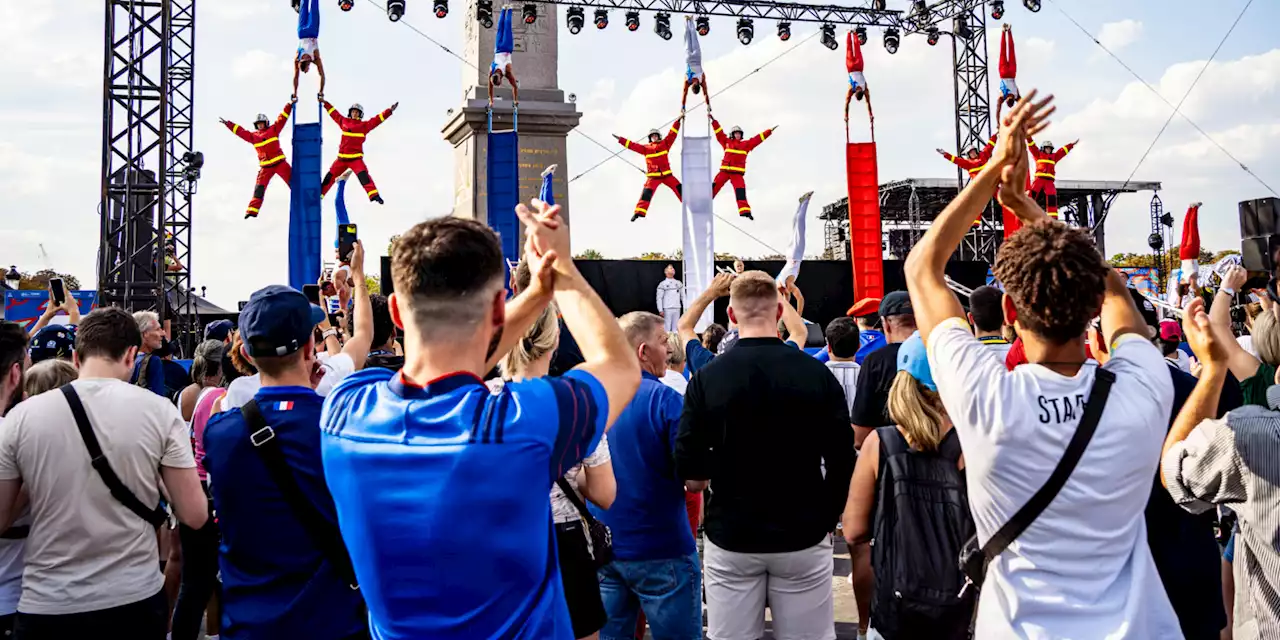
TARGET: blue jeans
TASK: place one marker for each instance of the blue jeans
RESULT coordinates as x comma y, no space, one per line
669,591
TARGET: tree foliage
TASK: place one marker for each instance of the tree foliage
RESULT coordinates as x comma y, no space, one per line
1171,259
40,280
373,284
589,254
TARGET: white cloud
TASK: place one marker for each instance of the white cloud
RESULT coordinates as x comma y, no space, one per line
1039,47
1118,35
256,64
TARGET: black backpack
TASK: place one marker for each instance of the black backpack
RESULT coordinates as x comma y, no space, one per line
922,520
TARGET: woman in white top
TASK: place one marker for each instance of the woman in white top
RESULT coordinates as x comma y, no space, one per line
592,480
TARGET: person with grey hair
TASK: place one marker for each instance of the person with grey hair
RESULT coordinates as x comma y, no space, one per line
148,368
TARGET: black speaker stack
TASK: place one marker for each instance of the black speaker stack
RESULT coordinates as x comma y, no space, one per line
1260,234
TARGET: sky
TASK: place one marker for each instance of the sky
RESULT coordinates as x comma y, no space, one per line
627,83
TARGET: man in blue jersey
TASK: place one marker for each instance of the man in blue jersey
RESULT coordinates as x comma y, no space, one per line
655,566
279,577
441,485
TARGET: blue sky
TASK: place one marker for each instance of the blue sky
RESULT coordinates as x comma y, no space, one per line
627,83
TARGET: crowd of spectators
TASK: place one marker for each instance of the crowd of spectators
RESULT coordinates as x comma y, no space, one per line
1046,461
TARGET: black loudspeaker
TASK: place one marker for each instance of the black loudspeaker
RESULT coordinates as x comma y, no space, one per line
815,337
1260,253
1258,218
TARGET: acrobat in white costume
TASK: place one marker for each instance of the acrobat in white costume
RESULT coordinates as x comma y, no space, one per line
795,251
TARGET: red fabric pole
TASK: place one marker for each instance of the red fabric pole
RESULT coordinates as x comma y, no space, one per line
1190,248
865,244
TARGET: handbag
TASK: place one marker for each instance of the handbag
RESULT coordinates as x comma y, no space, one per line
601,537
974,558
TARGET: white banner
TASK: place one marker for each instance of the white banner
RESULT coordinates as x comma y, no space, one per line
699,236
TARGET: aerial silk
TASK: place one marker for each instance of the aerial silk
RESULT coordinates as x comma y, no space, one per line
1189,250
699,238
795,250
304,204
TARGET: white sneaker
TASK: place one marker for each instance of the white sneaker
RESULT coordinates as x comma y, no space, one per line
806,196
549,169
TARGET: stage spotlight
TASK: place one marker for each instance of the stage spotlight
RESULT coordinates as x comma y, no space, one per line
346,5
484,13
633,20
395,10
997,9
960,27
878,5
829,36
1032,5
574,17
530,13
934,35
1155,242
891,40
703,25
441,8
746,31
662,25
784,31
920,10
861,34
601,18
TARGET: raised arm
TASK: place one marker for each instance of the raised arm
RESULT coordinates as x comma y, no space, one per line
278,125
1241,363
629,144
605,349
1202,404
376,121
689,321
524,309
1062,153
755,140
360,340
319,69
797,333
333,112
671,134
240,132
715,126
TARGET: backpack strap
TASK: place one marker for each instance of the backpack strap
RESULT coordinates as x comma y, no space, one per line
950,448
155,516
323,533
891,442
1102,381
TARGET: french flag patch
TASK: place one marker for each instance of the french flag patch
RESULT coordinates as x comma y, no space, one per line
284,406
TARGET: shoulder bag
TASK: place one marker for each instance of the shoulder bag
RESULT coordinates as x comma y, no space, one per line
601,537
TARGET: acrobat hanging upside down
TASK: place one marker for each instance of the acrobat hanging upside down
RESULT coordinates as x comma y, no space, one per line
1044,189
858,88
657,166
733,168
1009,94
271,161
503,46
351,148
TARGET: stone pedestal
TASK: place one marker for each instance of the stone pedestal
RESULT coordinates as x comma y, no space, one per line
545,118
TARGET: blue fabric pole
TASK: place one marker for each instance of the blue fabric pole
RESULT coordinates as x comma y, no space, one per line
340,204
545,194
309,19
304,205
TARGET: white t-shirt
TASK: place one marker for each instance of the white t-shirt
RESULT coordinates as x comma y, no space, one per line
307,46
1181,360
87,551
1246,343
242,390
562,510
11,552
847,374
675,380
1083,568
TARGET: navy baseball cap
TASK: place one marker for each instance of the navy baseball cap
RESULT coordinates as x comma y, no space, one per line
278,321
895,303
54,341
217,330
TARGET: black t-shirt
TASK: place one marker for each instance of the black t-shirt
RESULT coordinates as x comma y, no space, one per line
760,421
871,404
1182,544
568,354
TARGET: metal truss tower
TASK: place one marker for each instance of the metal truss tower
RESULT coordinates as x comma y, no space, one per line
148,60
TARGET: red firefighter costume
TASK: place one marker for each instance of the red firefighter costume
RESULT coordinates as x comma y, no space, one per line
974,167
351,149
271,160
1046,173
657,167
734,165
1189,250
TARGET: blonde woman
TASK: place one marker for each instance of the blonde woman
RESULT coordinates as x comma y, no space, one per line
908,495
47,375
592,480
674,377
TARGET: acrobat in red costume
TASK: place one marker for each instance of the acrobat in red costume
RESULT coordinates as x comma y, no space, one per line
657,166
271,161
1009,94
974,161
1189,250
1043,188
857,82
733,168
351,148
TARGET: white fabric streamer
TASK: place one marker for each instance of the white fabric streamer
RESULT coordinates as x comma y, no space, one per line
699,238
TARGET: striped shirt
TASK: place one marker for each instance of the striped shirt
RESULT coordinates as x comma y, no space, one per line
1234,461
847,374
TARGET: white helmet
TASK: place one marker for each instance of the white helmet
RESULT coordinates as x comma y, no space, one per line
356,107
262,117
734,130
655,132
1046,143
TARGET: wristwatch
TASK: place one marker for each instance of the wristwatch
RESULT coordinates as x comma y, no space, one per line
1227,290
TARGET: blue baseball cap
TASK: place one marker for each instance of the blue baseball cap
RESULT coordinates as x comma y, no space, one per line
278,321
217,330
913,359
54,341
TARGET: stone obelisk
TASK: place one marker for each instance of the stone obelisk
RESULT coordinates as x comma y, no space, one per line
545,118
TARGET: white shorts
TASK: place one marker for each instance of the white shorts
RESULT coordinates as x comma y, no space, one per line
308,46
1008,86
500,62
797,586
856,79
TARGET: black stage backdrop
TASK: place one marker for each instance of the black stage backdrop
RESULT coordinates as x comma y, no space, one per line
630,285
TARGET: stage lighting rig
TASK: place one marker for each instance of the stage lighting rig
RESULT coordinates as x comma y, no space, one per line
662,25
891,40
440,8
960,27
997,9
346,5
829,36
878,5
530,12
784,31
703,25
484,13
633,20
934,36
601,18
574,17
861,34
746,31
395,10
1032,5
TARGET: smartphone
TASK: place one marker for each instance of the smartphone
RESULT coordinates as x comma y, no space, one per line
312,292
346,240
335,320
59,291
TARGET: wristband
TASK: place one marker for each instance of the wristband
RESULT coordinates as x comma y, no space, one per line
1227,290
329,333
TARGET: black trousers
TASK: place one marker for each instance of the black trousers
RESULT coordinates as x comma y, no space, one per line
142,620
199,578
